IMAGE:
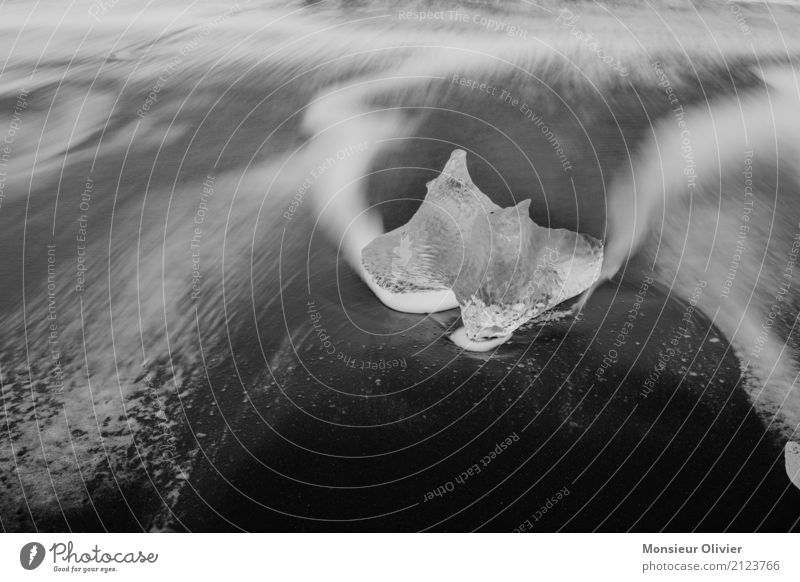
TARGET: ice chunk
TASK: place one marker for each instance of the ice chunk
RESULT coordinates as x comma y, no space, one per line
792,462
502,268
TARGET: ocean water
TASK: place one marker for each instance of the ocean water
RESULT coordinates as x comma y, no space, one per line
184,345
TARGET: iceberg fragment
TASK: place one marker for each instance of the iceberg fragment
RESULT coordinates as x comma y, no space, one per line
501,268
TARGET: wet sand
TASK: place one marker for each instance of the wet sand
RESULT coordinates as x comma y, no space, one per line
186,384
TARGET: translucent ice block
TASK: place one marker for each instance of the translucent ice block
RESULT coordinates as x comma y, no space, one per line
503,268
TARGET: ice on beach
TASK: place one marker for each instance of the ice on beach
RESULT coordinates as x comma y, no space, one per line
503,268
792,462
